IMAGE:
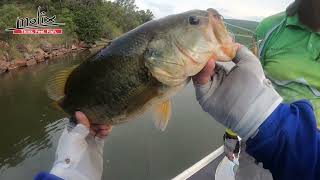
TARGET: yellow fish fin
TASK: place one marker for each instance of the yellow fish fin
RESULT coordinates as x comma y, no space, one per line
56,83
55,105
162,115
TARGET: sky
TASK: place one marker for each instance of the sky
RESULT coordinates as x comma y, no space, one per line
238,9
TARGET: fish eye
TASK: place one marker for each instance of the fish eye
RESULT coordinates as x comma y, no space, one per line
193,20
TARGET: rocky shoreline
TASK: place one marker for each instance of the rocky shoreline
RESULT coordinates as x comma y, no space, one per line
45,52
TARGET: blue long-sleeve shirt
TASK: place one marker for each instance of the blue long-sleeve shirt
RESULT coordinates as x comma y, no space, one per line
46,176
288,143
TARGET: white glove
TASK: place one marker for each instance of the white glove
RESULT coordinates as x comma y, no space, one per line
241,99
79,155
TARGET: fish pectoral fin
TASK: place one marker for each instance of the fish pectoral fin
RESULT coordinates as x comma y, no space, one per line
162,115
56,84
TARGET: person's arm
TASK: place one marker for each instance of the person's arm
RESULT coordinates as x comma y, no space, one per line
79,152
288,143
245,101
240,99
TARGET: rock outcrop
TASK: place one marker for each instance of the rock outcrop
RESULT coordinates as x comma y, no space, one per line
31,56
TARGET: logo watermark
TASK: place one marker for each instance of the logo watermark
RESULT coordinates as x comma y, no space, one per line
37,25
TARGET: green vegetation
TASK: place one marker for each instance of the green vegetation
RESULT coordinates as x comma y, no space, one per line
251,25
86,20
8,14
242,35
89,19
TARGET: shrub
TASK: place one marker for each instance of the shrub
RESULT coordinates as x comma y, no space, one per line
9,14
88,23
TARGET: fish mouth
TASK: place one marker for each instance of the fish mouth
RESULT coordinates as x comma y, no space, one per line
216,25
217,32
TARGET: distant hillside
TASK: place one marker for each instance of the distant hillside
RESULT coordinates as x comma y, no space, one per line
252,25
243,30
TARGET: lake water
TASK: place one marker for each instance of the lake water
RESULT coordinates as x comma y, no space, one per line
30,128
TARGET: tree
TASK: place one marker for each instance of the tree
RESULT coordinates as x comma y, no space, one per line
88,22
128,5
145,16
45,4
9,14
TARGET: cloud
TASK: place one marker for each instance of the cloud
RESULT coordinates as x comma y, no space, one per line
239,9
254,18
159,9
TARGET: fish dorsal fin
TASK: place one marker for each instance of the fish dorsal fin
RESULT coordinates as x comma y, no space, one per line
56,83
162,115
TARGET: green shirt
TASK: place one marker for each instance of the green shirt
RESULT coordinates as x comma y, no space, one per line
290,55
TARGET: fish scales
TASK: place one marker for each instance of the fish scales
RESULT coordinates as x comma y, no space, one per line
117,77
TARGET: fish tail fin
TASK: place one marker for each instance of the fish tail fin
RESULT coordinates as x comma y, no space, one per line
162,115
56,84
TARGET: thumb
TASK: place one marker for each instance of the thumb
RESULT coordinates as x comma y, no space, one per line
205,74
82,119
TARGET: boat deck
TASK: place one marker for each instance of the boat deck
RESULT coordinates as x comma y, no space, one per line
207,172
204,169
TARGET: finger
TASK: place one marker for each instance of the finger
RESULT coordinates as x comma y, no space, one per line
103,133
230,158
244,54
208,69
93,132
238,46
103,126
99,127
205,74
82,119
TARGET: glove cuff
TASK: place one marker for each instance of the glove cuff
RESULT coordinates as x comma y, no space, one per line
67,173
263,106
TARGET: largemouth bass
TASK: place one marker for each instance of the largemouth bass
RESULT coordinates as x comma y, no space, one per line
143,68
